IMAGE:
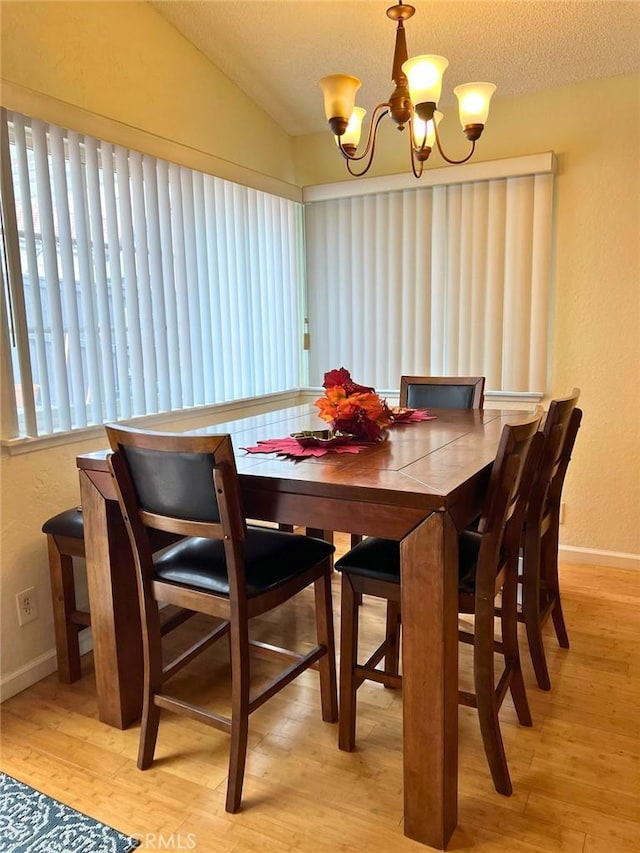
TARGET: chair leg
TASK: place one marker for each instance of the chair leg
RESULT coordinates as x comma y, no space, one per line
484,683
64,604
237,762
549,559
356,539
152,644
348,658
511,649
392,658
240,681
531,611
493,746
326,638
559,624
327,535
148,731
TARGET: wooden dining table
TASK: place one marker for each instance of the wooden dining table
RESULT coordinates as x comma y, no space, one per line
420,485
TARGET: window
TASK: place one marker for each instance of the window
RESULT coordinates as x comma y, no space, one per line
441,279
136,286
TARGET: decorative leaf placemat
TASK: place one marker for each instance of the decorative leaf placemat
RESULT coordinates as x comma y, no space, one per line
293,448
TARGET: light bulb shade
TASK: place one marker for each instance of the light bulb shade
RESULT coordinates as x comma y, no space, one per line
473,102
339,92
351,136
420,137
424,75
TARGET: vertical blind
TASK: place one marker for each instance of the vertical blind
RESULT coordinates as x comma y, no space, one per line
138,286
439,280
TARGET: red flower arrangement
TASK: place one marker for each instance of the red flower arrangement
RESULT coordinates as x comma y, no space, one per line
352,408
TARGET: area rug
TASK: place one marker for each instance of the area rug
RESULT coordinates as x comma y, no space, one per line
31,822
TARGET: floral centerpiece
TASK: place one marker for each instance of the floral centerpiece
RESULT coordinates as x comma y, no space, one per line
352,408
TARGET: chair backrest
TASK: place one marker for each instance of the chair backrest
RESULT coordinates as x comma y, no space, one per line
560,429
569,439
509,489
182,484
442,392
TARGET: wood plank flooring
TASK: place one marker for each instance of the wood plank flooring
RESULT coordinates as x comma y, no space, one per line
576,773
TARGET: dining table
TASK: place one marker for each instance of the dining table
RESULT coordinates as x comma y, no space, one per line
420,485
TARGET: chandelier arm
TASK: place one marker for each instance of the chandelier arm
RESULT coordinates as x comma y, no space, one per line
367,166
383,110
371,142
417,171
444,156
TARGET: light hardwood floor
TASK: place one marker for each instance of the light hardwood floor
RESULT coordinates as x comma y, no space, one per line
575,773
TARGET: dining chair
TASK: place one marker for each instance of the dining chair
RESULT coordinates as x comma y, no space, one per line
442,392
188,486
539,566
487,569
65,540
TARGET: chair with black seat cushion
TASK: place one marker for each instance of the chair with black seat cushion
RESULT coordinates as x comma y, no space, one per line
65,540
442,392
188,485
488,559
438,392
539,573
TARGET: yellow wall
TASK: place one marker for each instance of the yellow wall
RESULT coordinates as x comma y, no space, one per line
120,71
129,70
594,129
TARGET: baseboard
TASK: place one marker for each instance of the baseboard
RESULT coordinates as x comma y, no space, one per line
594,557
37,669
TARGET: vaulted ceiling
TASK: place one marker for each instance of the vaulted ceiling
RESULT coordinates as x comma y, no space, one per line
277,50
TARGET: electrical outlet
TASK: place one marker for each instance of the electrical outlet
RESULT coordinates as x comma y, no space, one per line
27,605
561,513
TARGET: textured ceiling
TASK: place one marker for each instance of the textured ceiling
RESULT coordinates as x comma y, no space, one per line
277,50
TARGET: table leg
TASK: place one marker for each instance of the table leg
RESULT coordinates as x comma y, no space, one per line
113,603
430,680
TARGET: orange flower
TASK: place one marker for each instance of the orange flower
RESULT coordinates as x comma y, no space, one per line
353,408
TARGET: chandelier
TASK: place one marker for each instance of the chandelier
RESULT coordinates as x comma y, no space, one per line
413,103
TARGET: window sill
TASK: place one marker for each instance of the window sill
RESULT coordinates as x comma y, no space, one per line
219,413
